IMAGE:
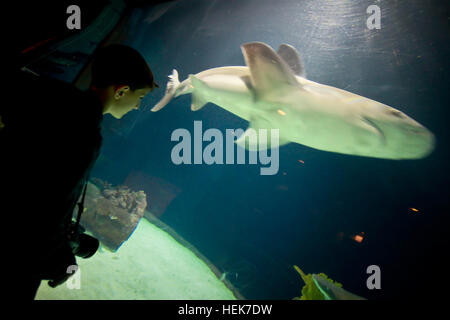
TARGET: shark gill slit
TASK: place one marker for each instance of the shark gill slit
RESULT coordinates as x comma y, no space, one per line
373,124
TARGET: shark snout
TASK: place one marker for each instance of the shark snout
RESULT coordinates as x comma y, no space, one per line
423,143
402,136
410,139
416,130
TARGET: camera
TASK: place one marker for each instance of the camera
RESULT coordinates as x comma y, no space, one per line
82,244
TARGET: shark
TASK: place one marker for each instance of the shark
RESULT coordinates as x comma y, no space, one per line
272,92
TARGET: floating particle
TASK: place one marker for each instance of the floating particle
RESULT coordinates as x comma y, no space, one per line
358,238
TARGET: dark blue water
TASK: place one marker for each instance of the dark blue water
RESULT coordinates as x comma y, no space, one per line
260,226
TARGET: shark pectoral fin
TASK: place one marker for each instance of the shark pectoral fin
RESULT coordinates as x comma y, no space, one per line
198,101
290,55
251,139
248,140
269,72
273,144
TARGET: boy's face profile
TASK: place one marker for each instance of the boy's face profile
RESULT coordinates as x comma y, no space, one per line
125,100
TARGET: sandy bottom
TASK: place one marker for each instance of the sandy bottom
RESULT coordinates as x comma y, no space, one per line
150,265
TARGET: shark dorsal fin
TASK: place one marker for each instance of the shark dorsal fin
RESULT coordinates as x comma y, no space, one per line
290,55
268,70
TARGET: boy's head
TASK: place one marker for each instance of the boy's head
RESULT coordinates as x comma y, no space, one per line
121,77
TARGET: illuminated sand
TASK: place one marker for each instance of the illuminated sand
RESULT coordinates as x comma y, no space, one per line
150,265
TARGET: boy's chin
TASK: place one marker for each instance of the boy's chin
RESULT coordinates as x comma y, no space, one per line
117,115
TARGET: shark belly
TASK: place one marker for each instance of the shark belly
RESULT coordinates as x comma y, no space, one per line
330,132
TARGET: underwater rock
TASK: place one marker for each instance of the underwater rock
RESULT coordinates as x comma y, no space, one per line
320,287
112,213
160,191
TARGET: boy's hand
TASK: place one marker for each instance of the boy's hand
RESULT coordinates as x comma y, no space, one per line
60,280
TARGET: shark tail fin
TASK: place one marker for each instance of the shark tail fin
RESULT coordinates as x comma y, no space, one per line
171,89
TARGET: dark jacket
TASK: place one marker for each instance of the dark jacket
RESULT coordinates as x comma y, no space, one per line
49,143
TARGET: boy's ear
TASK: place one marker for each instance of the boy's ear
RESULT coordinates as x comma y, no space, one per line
119,91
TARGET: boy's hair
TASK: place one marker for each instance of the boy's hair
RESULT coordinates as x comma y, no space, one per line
120,65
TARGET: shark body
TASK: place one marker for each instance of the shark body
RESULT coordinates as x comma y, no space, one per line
272,92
